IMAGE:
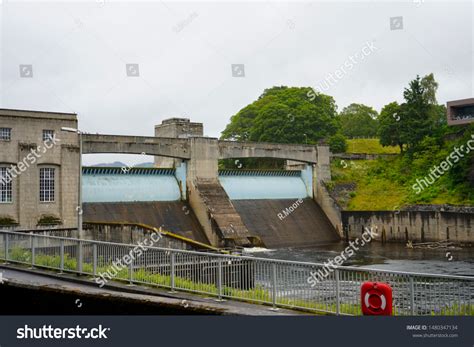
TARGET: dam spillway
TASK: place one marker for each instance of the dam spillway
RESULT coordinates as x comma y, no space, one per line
155,197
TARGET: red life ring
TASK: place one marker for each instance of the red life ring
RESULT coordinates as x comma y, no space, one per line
376,299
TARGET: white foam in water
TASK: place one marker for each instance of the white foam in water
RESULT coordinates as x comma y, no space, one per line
256,250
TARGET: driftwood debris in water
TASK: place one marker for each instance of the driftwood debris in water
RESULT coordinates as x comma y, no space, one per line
431,245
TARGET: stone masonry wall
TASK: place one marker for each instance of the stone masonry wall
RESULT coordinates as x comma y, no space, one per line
27,134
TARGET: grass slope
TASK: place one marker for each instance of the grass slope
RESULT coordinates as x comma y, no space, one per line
369,146
386,184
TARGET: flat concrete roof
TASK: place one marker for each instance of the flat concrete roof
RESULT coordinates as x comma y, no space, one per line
177,120
37,114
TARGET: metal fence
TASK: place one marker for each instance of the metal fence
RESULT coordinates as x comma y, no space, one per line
278,283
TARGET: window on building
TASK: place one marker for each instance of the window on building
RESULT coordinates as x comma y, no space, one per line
5,134
46,185
5,185
48,135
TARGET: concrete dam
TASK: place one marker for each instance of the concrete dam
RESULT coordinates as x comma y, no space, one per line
276,207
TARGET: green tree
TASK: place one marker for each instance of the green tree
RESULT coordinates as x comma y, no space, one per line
389,126
285,115
416,117
358,120
430,87
337,143
406,125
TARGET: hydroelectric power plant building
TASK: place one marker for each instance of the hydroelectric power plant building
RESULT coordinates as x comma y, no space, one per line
38,169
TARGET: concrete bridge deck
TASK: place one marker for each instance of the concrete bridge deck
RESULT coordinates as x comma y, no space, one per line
181,148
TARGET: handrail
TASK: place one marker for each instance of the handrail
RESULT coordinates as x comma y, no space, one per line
161,231
239,257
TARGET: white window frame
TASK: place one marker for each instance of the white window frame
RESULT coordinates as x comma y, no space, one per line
47,184
6,189
48,135
5,134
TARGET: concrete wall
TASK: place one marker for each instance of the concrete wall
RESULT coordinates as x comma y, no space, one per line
149,145
181,128
203,215
129,235
322,174
173,216
419,226
125,234
181,148
177,128
330,207
204,154
233,149
27,134
306,226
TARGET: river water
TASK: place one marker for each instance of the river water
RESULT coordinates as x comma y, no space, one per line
389,256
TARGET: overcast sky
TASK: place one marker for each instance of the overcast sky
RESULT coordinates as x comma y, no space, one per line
184,51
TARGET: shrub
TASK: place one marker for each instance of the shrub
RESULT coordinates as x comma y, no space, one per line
49,220
337,143
7,221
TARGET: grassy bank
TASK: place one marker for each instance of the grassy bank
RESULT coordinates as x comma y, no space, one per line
385,184
369,146
358,187
391,183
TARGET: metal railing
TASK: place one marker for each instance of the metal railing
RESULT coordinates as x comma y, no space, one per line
278,283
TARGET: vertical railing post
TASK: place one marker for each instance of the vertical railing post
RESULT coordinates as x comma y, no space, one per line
274,286
32,245
338,292
94,259
130,271
6,239
412,295
79,257
172,270
219,278
61,256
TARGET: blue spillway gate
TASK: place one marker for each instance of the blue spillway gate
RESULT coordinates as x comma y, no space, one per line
111,184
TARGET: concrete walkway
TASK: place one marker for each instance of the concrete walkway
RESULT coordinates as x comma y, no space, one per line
84,288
